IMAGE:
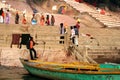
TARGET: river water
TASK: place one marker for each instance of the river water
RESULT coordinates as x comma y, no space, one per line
16,73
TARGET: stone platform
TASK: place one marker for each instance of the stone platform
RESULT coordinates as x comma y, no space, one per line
108,39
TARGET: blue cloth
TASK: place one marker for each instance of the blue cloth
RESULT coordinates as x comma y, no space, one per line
34,21
76,31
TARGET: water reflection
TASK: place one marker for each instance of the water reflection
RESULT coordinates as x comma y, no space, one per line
31,77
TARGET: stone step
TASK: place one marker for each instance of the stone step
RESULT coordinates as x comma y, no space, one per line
51,42
110,22
101,40
105,18
99,47
39,46
112,25
105,37
104,50
83,9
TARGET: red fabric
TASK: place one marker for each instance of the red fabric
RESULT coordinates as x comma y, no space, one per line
88,35
78,25
3,15
15,38
63,10
102,12
79,0
24,21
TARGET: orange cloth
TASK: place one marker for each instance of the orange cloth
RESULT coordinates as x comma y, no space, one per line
24,21
31,44
102,12
3,15
42,20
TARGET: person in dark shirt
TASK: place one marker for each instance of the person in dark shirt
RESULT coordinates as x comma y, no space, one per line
1,16
17,18
47,20
31,49
52,20
78,27
24,39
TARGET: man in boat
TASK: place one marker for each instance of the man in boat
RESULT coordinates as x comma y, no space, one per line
31,43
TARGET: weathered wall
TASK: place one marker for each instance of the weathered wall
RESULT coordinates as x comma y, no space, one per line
10,56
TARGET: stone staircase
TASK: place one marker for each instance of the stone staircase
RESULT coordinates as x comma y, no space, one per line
106,38
47,36
108,20
50,38
79,6
102,36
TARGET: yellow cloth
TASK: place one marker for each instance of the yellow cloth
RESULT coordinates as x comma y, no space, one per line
78,20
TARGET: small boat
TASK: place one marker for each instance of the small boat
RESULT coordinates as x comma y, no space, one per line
72,71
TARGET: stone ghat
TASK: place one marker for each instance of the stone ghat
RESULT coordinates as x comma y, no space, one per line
108,40
10,56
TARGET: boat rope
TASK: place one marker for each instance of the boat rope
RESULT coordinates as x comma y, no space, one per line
24,53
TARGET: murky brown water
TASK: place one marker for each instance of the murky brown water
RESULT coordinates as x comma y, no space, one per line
16,73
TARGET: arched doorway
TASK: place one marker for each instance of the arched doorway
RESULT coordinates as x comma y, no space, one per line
62,9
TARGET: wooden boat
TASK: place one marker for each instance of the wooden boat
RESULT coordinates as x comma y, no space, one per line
73,71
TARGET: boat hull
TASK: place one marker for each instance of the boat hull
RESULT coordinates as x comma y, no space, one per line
69,75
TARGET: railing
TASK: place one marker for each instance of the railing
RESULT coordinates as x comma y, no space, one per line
82,56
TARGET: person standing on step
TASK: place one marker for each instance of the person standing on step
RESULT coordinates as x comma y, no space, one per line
8,17
72,35
52,20
47,20
34,20
42,20
1,16
62,30
17,18
76,36
30,45
78,25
